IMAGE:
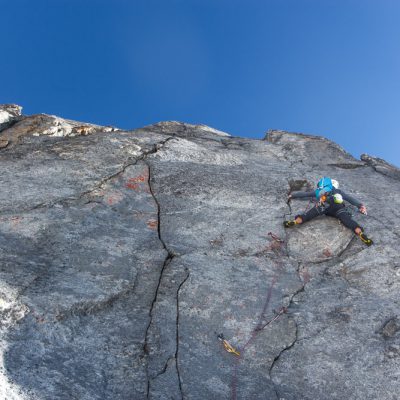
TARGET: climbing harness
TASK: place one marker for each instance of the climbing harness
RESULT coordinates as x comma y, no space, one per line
227,346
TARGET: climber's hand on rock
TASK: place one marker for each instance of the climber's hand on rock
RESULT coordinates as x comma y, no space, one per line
363,210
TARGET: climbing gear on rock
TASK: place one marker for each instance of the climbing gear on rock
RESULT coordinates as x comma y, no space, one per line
289,224
364,238
228,347
276,245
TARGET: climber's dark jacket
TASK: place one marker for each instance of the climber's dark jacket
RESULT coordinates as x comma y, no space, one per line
330,208
346,197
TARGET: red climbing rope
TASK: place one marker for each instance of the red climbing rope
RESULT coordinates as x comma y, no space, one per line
260,325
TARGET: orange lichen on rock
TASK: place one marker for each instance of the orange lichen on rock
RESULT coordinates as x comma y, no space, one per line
152,224
133,183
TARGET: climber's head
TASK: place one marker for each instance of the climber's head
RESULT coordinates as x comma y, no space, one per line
324,186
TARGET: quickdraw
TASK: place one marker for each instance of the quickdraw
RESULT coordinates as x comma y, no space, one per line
277,245
227,346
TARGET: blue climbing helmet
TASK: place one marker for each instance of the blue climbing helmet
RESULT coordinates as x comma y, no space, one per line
324,185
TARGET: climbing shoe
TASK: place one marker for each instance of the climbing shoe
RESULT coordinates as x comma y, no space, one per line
289,224
364,238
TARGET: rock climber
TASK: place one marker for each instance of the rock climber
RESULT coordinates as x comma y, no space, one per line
330,201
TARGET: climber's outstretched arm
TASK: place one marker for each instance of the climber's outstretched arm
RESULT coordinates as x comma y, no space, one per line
352,200
301,195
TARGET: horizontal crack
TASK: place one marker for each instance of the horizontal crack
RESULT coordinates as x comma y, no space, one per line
347,165
156,147
68,200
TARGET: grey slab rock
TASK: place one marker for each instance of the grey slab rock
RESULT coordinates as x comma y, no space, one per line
381,166
124,254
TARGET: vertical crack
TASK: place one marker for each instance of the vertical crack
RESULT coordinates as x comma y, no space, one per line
170,256
291,300
168,260
288,347
177,333
146,348
150,175
155,149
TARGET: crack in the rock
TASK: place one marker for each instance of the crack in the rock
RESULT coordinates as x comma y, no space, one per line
175,356
339,255
146,348
393,171
287,348
177,333
285,310
170,256
68,200
164,370
155,149
91,307
345,165
290,210
168,260
333,260
149,183
386,175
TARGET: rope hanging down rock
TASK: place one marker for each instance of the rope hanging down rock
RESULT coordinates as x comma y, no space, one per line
276,246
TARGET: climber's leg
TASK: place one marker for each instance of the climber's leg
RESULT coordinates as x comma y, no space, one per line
300,218
345,218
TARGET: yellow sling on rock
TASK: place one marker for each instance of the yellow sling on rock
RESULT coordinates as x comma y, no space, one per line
228,347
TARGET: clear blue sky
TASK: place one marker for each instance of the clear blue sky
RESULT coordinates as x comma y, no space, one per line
324,67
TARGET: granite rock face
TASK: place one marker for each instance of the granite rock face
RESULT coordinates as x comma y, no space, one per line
124,254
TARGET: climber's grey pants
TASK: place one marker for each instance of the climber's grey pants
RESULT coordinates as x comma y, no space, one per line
333,211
